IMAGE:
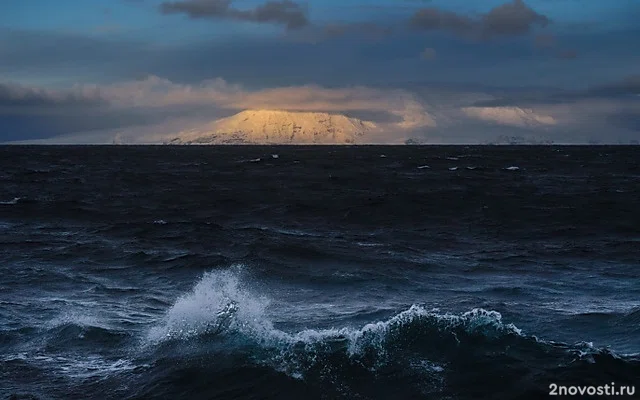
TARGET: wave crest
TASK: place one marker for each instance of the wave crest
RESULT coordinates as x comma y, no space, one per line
218,304
221,306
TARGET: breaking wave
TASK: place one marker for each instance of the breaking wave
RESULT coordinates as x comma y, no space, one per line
222,304
223,309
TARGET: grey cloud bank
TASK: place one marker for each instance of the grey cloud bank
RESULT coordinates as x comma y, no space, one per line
18,96
284,12
510,19
436,74
148,111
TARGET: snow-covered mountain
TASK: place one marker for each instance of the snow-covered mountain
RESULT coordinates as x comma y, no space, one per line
279,127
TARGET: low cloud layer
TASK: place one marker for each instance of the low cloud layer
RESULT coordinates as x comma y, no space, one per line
152,109
22,97
154,92
511,116
159,99
514,18
284,12
627,87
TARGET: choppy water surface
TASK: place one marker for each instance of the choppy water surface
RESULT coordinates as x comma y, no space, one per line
317,272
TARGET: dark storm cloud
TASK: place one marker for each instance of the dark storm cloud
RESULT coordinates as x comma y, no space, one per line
615,91
33,112
514,18
628,86
284,12
20,126
627,120
256,61
435,19
198,8
69,56
15,96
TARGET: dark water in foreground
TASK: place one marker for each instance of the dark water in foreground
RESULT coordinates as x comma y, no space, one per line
327,272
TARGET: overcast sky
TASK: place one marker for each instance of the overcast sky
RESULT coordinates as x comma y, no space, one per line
459,71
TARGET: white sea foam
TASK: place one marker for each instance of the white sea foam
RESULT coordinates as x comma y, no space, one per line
252,160
366,244
218,303
11,202
82,367
222,304
283,231
427,365
88,366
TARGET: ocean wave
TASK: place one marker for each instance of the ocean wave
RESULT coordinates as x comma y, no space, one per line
431,351
79,330
92,366
631,319
222,306
217,299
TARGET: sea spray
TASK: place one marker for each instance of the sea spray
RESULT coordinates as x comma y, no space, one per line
223,305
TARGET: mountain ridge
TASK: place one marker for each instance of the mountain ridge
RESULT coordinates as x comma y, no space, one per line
278,127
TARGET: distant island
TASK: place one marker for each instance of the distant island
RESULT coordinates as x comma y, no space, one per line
279,127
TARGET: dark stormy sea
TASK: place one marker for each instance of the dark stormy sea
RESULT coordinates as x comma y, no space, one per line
319,272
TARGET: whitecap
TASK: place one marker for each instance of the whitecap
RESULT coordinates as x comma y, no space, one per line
253,160
11,202
427,365
221,304
218,301
365,244
283,231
